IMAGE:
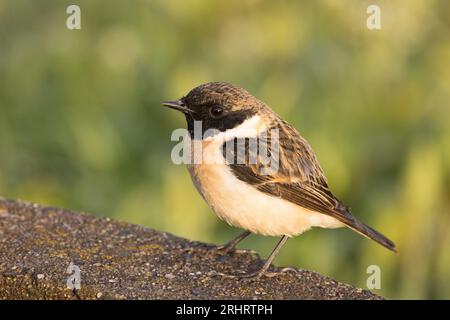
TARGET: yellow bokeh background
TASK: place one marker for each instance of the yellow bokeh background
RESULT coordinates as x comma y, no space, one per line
81,124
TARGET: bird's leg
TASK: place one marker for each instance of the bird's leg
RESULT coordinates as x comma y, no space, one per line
230,245
265,267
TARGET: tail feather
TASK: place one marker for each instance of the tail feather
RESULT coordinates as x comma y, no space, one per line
350,221
373,234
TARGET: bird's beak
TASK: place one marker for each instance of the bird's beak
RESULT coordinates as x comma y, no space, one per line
177,105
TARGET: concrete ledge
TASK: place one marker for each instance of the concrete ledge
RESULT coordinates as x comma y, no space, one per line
123,261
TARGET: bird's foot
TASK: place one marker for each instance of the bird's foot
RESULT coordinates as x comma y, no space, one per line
258,274
227,249
254,276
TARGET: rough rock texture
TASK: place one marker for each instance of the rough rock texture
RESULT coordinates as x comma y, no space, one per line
123,261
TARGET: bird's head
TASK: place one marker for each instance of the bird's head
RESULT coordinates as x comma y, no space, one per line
219,106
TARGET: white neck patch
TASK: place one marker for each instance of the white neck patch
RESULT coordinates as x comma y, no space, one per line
250,128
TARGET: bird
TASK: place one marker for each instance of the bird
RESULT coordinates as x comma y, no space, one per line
235,178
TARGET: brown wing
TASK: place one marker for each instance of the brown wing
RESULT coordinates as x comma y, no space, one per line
297,177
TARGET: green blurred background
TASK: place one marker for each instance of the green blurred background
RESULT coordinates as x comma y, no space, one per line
81,124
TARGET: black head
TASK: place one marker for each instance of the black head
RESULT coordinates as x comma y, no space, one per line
217,105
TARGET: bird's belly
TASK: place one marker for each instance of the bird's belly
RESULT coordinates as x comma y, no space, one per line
243,206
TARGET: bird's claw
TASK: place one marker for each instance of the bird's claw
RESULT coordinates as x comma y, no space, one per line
254,275
224,249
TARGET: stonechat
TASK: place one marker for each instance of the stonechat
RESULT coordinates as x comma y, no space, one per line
243,185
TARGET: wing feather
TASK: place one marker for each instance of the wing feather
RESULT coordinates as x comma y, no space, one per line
298,178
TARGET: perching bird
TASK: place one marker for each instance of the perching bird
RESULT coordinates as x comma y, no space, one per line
280,193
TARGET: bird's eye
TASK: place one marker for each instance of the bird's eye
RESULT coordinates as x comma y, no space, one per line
216,111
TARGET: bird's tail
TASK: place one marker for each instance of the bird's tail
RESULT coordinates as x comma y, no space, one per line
350,221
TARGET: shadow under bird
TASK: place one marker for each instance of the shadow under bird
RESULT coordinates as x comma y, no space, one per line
237,182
